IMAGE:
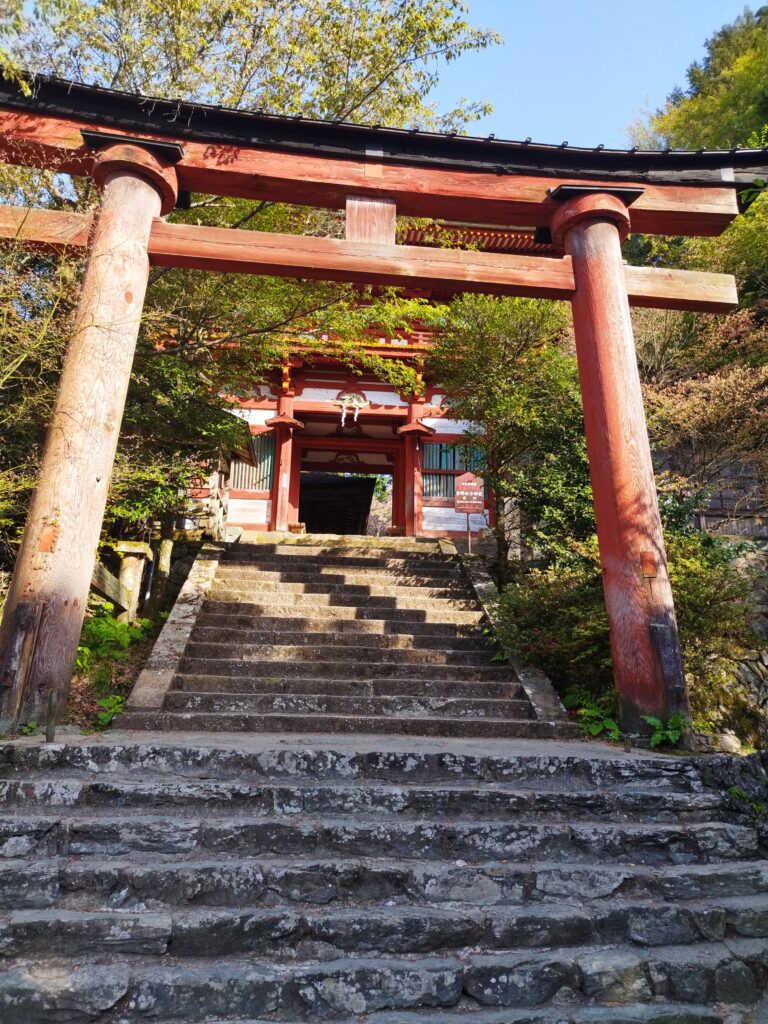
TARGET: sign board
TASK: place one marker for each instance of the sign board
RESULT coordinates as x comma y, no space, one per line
469,494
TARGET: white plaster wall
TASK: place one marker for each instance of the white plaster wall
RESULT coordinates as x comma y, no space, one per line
445,426
249,510
258,417
315,394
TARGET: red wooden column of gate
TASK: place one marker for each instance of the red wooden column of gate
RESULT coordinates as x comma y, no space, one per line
284,426
54,565
638,597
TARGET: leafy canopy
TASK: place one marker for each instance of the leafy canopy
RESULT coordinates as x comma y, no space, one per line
726,103
361,60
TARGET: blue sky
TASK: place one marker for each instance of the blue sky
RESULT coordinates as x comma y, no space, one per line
581,70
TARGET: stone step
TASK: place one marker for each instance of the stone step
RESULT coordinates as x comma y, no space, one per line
406,764
258,668
358,641
343,598
220,650
333,542
429,614
319,724
391,561
295,625
63,833
360,706
451,578
658,1013
467,801
310,882
193,990
438,689
257,590
398,931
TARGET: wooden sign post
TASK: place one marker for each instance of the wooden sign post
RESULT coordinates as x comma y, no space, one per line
469,497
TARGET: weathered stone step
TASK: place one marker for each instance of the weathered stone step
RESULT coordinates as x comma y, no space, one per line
257,590
658,1013
332,542
339,669
402,561
397,931
69,834
440,689
326,704
407,765
362,641
309,882
428,614
450,578
321,724
467,801
221,651
324,623
190,991
342,598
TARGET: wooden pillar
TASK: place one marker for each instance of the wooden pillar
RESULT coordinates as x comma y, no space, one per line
410,441
55,562
282,483
638,597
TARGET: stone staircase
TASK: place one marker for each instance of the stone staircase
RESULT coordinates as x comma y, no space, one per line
387,882
333,635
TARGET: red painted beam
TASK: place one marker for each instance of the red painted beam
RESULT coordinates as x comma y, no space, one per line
43,140
261,252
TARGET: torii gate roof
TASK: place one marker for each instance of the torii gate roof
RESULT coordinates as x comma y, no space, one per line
179,119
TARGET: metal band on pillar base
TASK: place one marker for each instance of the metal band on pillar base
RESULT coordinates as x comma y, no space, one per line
55,562
638,598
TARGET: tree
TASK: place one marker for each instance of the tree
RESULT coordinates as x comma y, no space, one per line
505,369
727,99
209,336
360,60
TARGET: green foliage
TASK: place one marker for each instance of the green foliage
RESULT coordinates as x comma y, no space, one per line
105,642
504,364
110,706
364,60
555,618
726,101
29,728
596,717
208,336
668,733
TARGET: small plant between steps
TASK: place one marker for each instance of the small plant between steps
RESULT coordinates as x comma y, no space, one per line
668,734
596,715
110,706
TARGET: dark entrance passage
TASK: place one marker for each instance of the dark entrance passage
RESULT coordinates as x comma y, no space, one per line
334,503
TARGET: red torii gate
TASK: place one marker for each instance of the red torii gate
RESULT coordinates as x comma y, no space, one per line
143,153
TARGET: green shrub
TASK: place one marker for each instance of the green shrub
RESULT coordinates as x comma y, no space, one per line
555,618
104,642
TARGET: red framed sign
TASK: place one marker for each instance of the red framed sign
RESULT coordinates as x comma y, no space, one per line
469,495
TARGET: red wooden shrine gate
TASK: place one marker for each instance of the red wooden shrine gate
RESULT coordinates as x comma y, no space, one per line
143,154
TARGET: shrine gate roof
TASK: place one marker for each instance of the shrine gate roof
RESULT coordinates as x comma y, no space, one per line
201,122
